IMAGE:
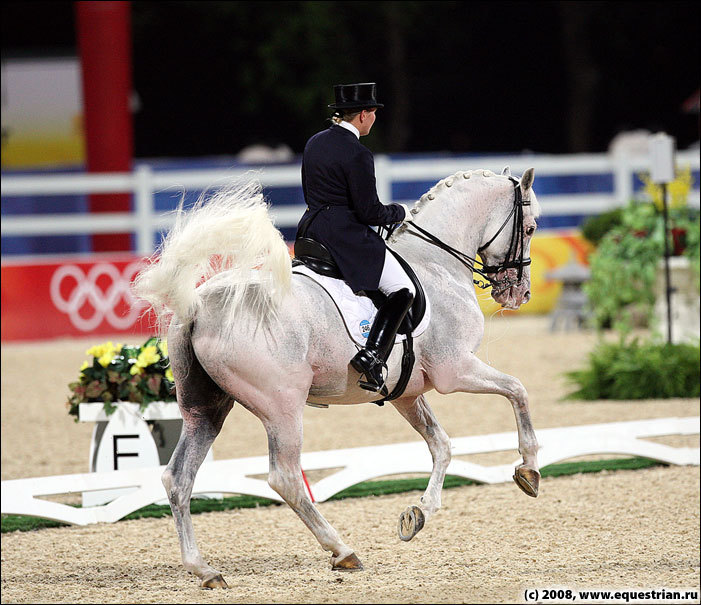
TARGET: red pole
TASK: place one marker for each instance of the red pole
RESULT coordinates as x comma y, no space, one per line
309,489
104,41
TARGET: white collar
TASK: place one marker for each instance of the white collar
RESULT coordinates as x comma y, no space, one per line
349,126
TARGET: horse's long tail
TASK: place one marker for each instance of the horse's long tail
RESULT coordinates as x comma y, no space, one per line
228,241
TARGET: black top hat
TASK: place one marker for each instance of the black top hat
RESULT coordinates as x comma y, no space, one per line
355,96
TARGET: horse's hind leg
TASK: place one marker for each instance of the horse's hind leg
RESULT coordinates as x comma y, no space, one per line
204,407
285,477
421,417
200,426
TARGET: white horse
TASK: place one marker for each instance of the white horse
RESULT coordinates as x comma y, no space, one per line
243,328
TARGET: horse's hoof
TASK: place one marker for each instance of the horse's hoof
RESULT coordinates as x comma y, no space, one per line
528,480
214,582
411,522
348,563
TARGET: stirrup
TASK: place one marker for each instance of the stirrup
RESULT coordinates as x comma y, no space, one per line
371,386
375,361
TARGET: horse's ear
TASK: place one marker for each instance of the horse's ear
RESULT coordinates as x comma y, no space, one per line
506,171
527,180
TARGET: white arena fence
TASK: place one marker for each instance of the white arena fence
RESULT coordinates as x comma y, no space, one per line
350,466
144,182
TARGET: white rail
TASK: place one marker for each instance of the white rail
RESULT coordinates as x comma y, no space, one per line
23,496
144,182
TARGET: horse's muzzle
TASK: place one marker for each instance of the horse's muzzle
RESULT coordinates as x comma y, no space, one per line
509,291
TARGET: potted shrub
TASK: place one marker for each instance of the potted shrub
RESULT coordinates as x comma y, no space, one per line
139,374
625,267
625,264
125,374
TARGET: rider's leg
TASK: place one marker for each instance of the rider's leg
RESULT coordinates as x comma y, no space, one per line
393,277
400,291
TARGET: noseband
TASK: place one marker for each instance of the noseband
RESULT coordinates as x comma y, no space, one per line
514,257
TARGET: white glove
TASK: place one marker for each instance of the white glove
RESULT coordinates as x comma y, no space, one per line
408,216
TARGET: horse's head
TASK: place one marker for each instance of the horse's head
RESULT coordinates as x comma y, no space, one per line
505,251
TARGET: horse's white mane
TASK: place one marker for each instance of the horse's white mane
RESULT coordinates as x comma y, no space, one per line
444,186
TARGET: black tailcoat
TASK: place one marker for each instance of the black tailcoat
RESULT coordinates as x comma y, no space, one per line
338,178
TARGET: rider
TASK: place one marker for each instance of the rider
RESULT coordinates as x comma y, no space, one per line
338,178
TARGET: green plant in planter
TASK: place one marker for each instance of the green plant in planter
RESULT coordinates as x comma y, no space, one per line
141,374
685,231
693,248
620,292
625,264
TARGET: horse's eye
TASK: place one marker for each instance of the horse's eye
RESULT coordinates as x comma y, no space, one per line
530,230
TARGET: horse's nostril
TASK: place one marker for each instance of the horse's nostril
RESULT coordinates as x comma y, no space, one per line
527,295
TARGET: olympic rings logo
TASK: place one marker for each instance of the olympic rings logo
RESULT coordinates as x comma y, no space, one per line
104,303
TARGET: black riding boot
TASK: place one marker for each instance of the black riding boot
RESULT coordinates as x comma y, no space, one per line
372,359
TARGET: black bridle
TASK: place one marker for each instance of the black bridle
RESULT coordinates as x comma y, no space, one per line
514,257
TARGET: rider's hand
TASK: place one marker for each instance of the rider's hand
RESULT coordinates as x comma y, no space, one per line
408,216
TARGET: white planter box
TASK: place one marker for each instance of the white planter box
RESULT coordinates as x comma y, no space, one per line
158,410
684,298
130,439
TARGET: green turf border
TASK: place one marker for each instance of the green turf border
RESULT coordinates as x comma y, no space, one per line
10,523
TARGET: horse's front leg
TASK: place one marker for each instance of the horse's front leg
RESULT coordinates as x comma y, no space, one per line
475,376
421,417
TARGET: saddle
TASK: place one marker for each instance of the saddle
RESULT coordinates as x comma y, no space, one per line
316,257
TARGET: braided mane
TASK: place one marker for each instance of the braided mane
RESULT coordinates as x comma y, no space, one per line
440,187
444,184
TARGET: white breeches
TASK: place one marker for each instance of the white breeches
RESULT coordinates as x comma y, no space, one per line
393,277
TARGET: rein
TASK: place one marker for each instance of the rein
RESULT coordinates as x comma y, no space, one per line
510,261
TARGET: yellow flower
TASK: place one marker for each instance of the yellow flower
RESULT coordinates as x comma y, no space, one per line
104,352
163,346
104,360
84,366
135,369
97,350
148,356
677,190
169,375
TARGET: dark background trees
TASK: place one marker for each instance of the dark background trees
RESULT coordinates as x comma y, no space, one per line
213,77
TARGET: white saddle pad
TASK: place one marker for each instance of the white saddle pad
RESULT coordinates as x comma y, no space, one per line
358,312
